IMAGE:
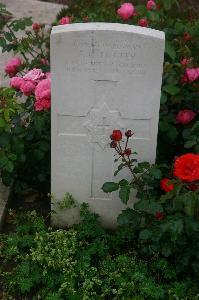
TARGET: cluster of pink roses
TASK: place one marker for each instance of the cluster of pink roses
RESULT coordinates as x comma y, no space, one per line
127,10
35,82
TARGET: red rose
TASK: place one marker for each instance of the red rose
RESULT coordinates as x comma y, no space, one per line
187,36
159,215
166,186
185,116
116,135
36,26
184,61
143,22
128,133
127,152
186,167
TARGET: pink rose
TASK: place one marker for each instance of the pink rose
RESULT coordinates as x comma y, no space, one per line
35,75
16,83
185,116
143,22
42,104
126,11
151,5
12,66
65,20
27,87
36,26
192,74
43,90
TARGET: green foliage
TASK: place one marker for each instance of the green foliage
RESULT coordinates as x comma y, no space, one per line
24,144
84,262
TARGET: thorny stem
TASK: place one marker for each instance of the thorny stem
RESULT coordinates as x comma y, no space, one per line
128,163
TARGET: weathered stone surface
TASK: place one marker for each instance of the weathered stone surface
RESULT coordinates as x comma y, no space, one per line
104,77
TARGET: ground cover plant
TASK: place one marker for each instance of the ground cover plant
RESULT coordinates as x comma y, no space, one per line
154,252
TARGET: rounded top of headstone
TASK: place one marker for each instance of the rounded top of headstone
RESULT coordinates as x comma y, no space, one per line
109,27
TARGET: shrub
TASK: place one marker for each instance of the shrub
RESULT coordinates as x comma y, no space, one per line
82,263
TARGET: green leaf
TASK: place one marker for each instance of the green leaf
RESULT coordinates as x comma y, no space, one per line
156,173
124,193
2,42
163,98
128,216
109,187
167,4
8,36
145,234
172,133
190,144
153,16
123,182
170,50
171,89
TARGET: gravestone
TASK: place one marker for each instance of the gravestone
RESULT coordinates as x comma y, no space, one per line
104,76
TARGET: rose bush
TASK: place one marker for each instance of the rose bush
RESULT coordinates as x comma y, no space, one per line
24,108
165,219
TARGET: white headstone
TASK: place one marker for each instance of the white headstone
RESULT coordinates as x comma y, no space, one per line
104,77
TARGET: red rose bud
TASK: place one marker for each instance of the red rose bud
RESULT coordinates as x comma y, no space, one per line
184,62
187,36
116,135
36,26
159,215
128,133
185,116
113,144
166,186
143,22
127,152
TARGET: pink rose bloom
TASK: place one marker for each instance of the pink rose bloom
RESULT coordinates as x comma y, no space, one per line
43,90
35,75
126,11
48,75
16,83
192,74
185,116
143,22
12,66
42,105
151,5
27,87
65,20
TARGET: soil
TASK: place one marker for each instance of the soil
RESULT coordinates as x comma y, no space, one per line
23,203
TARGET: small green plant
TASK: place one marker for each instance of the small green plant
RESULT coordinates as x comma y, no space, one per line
83,262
